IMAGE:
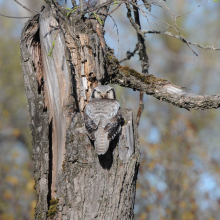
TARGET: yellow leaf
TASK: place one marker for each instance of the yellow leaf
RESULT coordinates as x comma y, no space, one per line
194,207
185,186
15,154
149,207
189,163
138,184
188,216
5,113
30,184
143,216
33,204
7,195
12,179
183,204
153,189
16,132
26,173
144,193
151,165
168,211
5,216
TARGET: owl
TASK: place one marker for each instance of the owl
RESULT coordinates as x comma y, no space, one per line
102,117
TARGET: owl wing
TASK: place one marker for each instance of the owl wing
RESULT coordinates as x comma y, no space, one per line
91,122
113,125
102,122
91,127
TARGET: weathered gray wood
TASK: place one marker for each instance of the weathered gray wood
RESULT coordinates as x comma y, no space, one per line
79,183
58,87
126,140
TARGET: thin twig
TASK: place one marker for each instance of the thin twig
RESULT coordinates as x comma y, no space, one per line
25,7
129,54
135,26
173,17
147,5
175,27
73,3
193,9
182,39
114,9
115,24
13,17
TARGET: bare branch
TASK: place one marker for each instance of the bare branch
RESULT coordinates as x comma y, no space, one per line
193,9
114,9
129,54
25,7
73,3
147,5
115,25
176,29
13,17
135,26
48,2
163,90
141,43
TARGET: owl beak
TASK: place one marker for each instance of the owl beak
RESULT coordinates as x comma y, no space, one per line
104,96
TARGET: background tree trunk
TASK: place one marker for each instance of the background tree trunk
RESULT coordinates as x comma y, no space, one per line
63,60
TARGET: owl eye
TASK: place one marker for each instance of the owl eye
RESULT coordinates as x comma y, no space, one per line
108,91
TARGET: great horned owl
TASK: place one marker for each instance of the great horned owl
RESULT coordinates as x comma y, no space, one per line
102,117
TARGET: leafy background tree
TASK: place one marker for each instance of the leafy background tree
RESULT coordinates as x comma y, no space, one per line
179,172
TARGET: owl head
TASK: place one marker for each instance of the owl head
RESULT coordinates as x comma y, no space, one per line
103,92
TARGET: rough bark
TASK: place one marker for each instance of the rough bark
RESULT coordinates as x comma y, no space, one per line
63,59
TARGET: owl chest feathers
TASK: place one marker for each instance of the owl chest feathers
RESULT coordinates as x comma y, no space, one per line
105,108
102,122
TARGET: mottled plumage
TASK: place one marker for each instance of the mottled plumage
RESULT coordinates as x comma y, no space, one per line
102,117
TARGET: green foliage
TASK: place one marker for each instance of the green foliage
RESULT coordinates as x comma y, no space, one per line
215,1
98,19
53,45
71,10
116,2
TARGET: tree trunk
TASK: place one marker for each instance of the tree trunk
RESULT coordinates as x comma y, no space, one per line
63,58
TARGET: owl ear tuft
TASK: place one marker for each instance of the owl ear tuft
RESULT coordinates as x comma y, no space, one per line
113,93
93,94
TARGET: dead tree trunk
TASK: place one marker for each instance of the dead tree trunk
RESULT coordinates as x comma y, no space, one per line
64,56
